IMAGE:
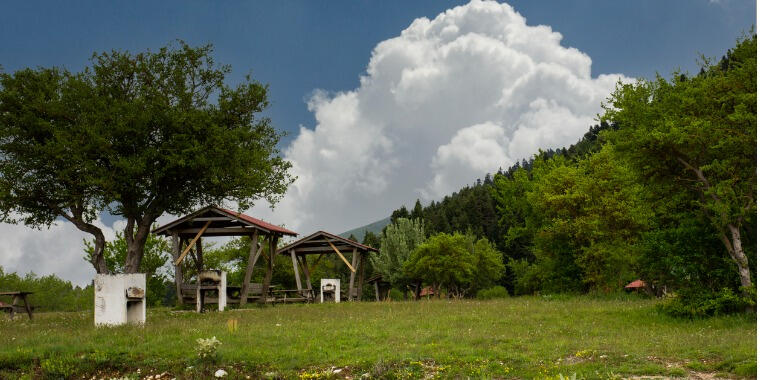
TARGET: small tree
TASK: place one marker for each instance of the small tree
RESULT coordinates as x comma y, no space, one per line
489,264
396,244
444,261
137,135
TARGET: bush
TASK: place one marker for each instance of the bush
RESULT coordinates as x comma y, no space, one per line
492,293
395,295
697,303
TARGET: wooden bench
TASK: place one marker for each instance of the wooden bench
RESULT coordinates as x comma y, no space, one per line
291,295
13,307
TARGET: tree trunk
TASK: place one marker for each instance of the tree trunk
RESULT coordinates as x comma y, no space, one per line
136,242
417,290
734,244
739,257
98,260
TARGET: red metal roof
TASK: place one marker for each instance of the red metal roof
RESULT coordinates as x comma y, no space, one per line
241,218
636,284
258,222
427,291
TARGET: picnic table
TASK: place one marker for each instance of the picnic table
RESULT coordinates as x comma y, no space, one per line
13,307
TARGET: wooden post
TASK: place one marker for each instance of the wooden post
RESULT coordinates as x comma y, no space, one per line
307,275
270,268
377,292
199,253
253,255
361,276
177,268
354,259
198,269
295,270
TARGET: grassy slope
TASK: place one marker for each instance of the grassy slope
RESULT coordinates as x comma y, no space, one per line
523,337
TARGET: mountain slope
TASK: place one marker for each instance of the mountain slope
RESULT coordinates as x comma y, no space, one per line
374,227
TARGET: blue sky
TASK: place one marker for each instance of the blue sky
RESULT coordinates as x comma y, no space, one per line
442,100
299,46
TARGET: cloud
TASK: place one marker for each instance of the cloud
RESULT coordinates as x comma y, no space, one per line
448,100
56,250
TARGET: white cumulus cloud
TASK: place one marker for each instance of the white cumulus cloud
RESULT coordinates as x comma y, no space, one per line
445,102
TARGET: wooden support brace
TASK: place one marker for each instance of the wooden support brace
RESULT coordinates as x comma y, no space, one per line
190,245
295,269
306,271
253,256
354,263
341,256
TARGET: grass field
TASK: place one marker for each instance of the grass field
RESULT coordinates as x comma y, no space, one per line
526,337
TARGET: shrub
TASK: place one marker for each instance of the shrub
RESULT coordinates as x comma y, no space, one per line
697,303
207,348
491,293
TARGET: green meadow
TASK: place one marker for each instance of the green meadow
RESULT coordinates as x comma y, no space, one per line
521,337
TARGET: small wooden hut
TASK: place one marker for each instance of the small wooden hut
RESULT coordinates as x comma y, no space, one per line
187,232
323,243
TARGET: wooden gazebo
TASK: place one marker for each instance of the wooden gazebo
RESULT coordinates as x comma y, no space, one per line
322,243
188,231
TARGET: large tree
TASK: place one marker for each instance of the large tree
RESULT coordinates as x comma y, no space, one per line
698,135
136,135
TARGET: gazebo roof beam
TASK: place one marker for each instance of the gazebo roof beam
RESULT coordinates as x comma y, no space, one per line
320,249
248,230
212,218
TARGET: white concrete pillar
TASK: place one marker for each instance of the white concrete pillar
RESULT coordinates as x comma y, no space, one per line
119,299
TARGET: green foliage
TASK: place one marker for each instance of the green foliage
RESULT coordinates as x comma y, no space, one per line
443,261
576,223
665,183
497,291
695,138
526,276
395,295
489,263
396,245
371,239
50,292
457,262
698,303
